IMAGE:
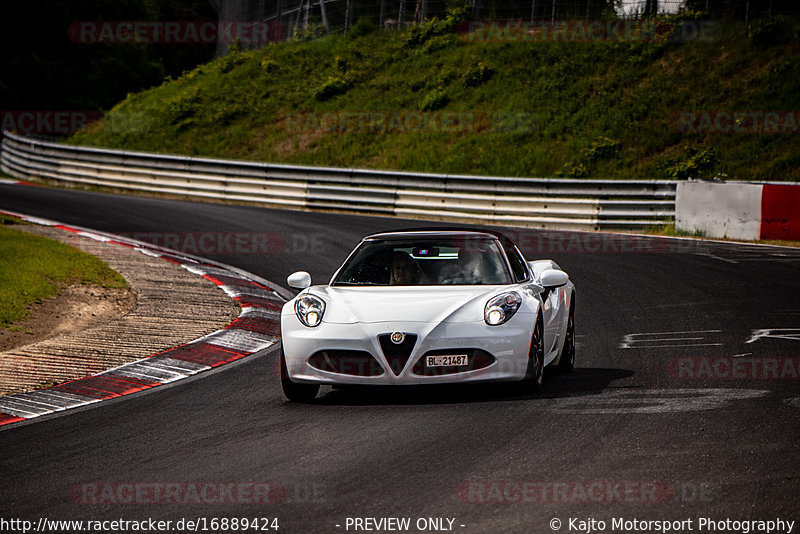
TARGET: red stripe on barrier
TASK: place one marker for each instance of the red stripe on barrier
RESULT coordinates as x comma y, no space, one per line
120,243
221,280
780,212
6,419
67,228
104,386
75,389
114,386
204,354
257,324
131,380
249,300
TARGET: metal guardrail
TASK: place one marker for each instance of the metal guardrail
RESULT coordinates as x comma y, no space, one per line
533,202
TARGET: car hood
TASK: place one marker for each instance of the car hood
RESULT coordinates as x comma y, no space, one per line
429,304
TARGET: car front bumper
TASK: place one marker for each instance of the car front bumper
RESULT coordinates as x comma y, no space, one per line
508,345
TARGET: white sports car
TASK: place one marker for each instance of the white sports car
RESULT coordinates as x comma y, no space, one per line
424,307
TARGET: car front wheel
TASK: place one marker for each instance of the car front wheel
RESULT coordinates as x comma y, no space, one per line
566,361
295,391
534,376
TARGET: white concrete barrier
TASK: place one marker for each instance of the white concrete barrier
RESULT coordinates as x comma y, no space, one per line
719,209
739,210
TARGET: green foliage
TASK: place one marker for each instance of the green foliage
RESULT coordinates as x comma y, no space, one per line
599,109
694,163
773,31
436,99
573,170
333,86
671,230
476,75
601,148
421,33
309,33
269,66
438,42
231,61
361,28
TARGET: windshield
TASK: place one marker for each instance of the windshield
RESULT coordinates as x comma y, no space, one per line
426,261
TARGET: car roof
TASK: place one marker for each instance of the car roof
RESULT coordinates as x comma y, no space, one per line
439,232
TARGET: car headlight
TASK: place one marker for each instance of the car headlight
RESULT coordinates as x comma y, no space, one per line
501,308
309,310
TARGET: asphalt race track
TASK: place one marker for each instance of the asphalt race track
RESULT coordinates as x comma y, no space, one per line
685,403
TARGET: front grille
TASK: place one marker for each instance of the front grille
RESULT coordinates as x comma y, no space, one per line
478,359
346,362
397,354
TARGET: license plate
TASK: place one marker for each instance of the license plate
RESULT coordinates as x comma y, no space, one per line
446,360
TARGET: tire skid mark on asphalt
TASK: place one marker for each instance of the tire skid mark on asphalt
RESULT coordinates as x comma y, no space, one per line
793,402
256,328
651,401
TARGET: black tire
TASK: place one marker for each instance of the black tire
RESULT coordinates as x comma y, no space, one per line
566,361
295,391
534,375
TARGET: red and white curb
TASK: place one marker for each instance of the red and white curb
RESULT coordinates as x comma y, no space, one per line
11,181
256,328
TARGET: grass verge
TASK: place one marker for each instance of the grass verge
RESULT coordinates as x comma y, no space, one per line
33,268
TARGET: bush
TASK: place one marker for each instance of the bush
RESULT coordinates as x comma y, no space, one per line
698,163
361,28
601,148
476,75
269,65
436,99
573,170
421,33
231,61
310,33
438,43
332,87
769,32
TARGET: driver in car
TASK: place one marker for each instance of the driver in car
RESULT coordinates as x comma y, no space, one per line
406,271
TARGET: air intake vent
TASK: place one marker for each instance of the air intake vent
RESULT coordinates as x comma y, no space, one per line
346,362
397,354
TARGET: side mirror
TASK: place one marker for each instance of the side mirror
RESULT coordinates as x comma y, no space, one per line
299,280
553,278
